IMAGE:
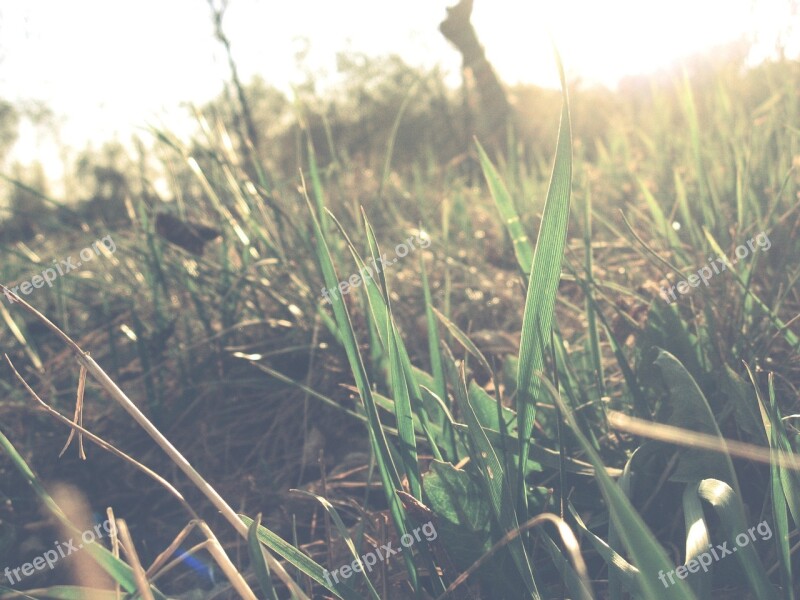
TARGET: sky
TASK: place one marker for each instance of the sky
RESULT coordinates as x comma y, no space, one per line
110,68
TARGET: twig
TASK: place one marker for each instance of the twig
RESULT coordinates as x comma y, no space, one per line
78,418
133,560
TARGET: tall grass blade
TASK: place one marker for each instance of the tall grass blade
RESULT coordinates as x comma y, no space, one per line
543,285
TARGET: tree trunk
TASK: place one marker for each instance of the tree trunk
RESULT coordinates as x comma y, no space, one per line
494,109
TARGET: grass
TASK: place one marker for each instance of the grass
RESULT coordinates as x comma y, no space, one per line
525,460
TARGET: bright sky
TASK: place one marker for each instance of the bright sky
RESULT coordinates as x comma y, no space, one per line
108,67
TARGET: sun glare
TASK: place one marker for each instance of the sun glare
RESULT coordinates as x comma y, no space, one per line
142,76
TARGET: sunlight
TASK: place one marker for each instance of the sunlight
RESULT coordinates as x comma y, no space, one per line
603,42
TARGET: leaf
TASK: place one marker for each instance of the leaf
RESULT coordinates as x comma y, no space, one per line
258,560
496,484
543,283
690,410
380,446
724,501
463,514
508,212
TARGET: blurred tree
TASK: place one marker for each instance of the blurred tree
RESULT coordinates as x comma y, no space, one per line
103,180
9,120
29,211
494,109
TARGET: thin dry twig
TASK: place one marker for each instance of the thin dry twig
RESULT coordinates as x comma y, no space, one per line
162,558
78,418
114,543
133,560
693,439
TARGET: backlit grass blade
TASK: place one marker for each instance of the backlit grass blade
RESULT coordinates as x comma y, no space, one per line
785,490
543,283
464,340
625,572
508,212
780,446
578,588
402,378
697,541
593,331
386,467
784,483
691,411
433,336
403,414
779,325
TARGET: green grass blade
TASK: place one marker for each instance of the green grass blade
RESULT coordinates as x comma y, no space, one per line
301,561
697,541
345,535
258,561
593,331
508,212
691,411
782,495
433,336
626,573
543,283
386,466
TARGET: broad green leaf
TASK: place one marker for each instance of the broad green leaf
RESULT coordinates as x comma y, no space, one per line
462,510
690,410
723,499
